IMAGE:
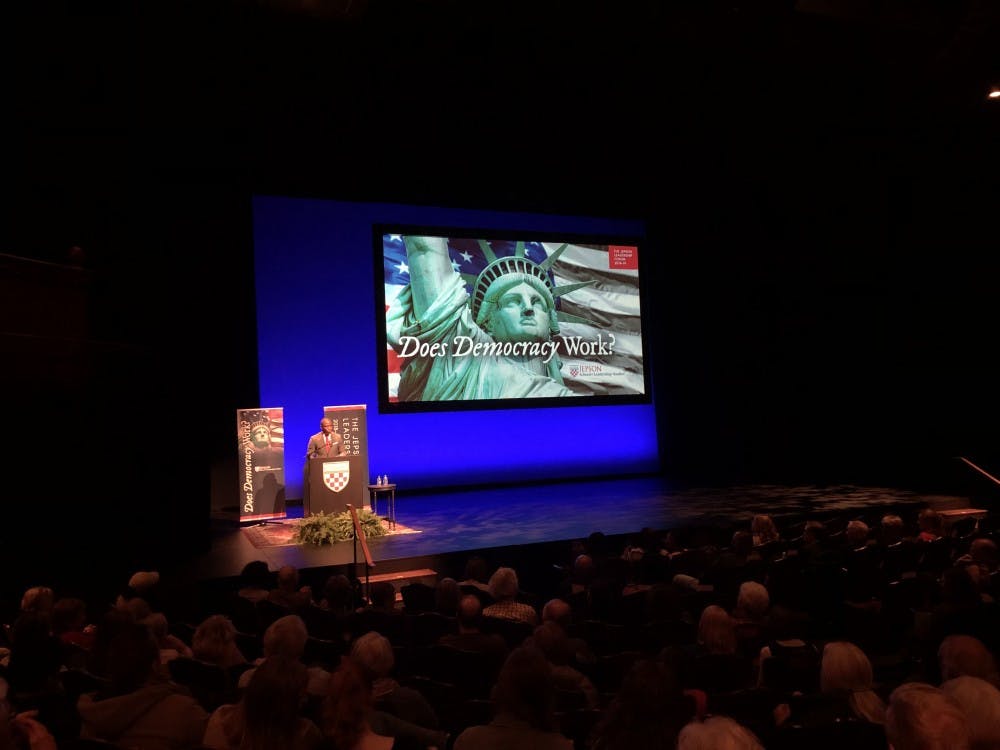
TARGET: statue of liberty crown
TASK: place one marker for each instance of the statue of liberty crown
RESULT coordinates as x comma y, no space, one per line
518,268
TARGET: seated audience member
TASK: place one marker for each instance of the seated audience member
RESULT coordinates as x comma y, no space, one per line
931,525
892,530
373,654
338,595
171,647
648,710
750,618
70,625
287,593
763,530
923,717
348,714
962,655
269,713
846,686
255,581
22,731
446,595
524,717
383,598
469,637
713,663
477,574
981,703
551,640
504,588
717,733
561,613
858,534
214,641
140,708
36,656
286,637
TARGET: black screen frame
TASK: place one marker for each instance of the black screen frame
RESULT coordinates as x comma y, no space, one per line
388,406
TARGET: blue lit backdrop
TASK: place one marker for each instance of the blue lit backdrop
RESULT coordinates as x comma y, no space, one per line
317,339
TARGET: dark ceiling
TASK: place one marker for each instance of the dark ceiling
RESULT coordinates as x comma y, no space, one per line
637,108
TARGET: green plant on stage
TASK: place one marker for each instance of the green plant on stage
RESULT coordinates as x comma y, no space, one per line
320,528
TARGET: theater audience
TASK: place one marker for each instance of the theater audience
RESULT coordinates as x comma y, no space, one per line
171,647
140,708
214,641
961,655
372,653
559,611
286,637
255,581
524,697
923,717
764,530
347,716
287,592
469,636
717,733
269,713
931,525
338,595
446,595
648,711
504,588
551,640
980,701
846,691
70,623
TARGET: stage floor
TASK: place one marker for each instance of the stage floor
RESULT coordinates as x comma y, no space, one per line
462,521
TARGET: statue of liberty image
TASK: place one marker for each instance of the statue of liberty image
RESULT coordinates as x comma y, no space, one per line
496,343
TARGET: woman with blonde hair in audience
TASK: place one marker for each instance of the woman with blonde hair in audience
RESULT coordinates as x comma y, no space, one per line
214,641
717,733
846,691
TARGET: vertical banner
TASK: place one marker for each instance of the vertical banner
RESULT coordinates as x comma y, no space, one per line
352,423
260,435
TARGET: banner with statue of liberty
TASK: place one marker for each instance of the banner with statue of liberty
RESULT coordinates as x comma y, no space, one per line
260,435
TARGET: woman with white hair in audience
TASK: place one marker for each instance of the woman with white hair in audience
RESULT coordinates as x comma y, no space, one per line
504,588
287,636
846,691
981,703
961,655
717,733
373,654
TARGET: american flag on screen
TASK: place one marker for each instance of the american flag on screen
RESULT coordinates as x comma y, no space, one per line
610,306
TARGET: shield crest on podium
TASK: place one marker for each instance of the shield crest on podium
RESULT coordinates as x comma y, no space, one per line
336,474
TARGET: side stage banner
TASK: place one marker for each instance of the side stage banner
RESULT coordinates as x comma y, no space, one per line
352,423
260,437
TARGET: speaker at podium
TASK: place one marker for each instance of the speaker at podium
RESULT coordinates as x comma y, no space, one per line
335,482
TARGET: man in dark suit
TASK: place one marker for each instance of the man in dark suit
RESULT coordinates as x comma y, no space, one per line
324,444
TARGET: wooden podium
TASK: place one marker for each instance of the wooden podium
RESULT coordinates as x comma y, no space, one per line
335,482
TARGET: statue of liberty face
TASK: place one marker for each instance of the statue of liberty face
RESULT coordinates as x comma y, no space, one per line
521,314
261,436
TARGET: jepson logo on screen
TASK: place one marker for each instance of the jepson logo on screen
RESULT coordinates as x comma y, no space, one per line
464,346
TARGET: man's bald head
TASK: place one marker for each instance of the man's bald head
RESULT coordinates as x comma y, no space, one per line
558,611
469,610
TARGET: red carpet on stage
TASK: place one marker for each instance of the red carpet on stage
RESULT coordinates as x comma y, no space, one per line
282,533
